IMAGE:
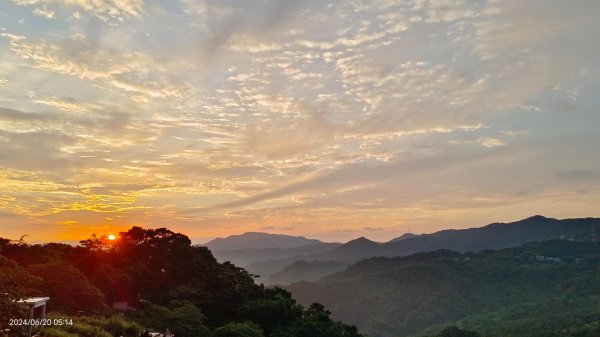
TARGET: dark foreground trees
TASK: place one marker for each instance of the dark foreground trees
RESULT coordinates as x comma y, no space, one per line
316,322
171,284
15,283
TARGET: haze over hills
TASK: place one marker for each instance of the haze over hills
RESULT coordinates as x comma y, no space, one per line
493,236
306,271
248,256
540,289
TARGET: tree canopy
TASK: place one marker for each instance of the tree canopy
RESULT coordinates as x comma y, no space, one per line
171,284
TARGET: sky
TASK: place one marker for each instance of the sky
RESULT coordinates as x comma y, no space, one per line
331,120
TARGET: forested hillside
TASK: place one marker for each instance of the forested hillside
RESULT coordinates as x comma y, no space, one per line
306,271
170,284
541,289
492,236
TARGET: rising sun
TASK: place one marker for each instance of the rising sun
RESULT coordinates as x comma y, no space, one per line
111,237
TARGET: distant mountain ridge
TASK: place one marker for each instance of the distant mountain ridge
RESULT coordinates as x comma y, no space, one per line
403,237
256,240
354,249
496,235
492,236
266,254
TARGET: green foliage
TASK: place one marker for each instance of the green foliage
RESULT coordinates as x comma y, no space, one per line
119,326
15,283
181,317
510,292
305,270
246,329
115,283
164,266
94,327
57,332
588,330
80,329
316,322
277,308
452,331
68,288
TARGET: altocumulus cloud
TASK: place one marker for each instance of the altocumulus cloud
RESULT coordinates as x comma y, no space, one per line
217,117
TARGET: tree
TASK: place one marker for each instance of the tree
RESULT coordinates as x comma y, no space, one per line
246,329
164,266
95,243
68,288
4,243
15,283
316,322
177,286
183,318
114,283
274,309
317,313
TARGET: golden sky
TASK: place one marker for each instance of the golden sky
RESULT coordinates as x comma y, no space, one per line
331,120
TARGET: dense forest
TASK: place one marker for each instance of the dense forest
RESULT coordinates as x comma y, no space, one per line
545,289
170,283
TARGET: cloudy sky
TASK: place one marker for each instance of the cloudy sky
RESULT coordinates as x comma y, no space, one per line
329,119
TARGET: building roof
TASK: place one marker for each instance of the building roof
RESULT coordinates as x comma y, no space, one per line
35,301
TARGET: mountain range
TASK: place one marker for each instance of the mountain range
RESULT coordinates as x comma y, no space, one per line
281,252
256,240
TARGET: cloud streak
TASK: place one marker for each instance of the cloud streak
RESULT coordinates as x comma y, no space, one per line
361,174
216,117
